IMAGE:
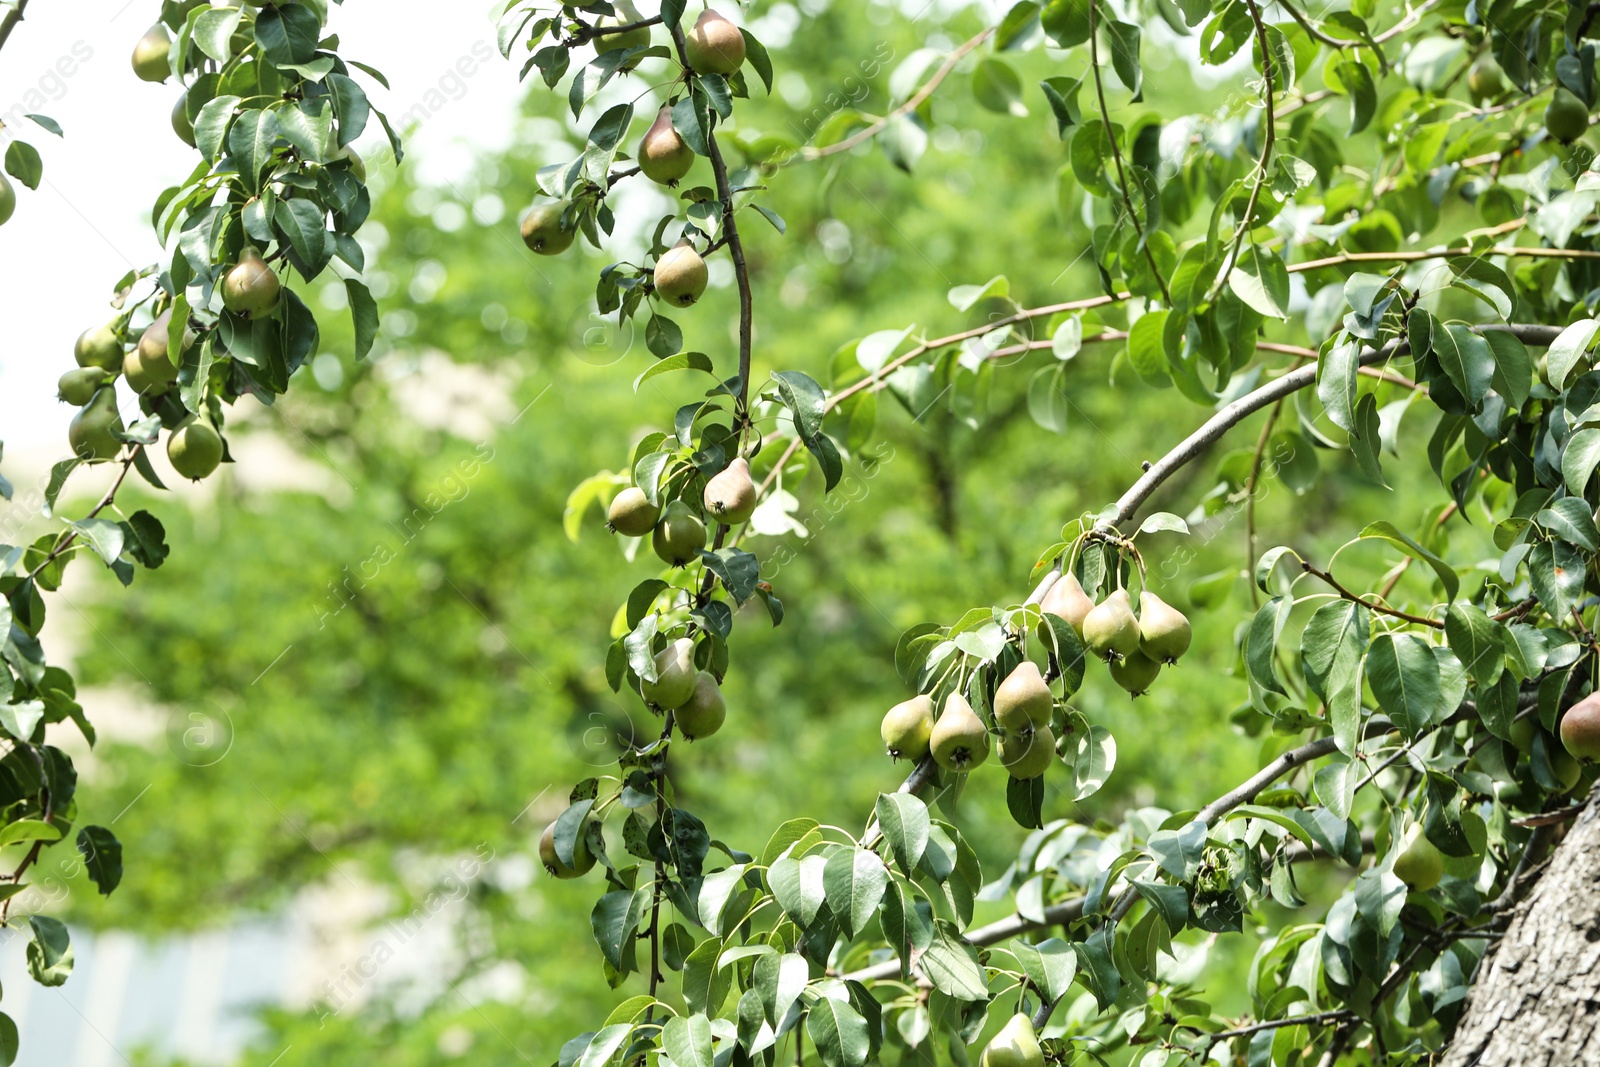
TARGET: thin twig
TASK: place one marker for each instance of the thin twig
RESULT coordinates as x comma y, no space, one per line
810,153
12,18
1360,598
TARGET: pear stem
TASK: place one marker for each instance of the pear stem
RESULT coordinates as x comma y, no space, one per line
741,269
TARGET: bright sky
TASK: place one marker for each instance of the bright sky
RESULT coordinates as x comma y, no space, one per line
88,223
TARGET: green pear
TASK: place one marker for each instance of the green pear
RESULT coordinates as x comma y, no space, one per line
180,120
631,513
1027,754
1566,118
358,166
681,275
150,61
250,287
705,711
194,448
731,494
1580,729
664,157
626,15
99,347
1486,80
675,676
1136,673
93,431
1164,633
714,45
1023,701
959,740
544,232
680,535
77,387
907,727
1015,1045
8,200
1420,864
147,366
1111,629
1067,600
582,857
1565,768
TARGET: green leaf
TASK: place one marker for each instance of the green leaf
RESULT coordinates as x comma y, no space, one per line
1330,650
1404,676
904,821
1336,383
996,86
102,857
1467,360
705,984
363,315
1387,531
1123,37
250,143
1579,459
1569,349
756,55
798,886
683,361
854,879
1365,439
688,1040
288,34
1513,369
1479,641
50,951
1262,281
1049,965
23,163
839,1033
1047,399
302,223
104,536
952,966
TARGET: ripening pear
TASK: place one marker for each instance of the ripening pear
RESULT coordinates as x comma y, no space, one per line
730,495
77,387
150,60
250,287
705,711
681,274
907,727
680,535
99,347
194,448
714,45
626,15
959,740
582,857
1015,1045
1111,629
543,232
1580,728
1023,701
675,676
664,157
1420,864
147,366
1027,754
1135,673
1067,600
93,431
180,120
8,200
1566,118
631,513
1164,633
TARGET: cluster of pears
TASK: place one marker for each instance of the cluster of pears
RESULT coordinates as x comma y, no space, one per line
677,534
958,738
692,695
1134,646
194,447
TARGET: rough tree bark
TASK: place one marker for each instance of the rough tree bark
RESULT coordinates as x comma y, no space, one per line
1536,1000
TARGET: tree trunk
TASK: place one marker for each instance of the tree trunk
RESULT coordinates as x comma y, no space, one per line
1536,999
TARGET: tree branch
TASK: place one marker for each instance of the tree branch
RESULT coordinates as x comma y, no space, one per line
810,153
